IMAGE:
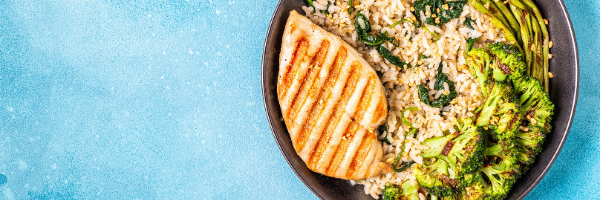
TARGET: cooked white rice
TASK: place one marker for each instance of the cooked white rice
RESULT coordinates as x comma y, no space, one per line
401,85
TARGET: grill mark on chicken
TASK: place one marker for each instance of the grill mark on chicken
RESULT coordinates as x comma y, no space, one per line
330,137
305,95
380,111
322,84
364,102
326,97
346,93
341,149
292,72
361,155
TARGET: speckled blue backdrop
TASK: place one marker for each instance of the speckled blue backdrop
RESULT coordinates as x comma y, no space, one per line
155,99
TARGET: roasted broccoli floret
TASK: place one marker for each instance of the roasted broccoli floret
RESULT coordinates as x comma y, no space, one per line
500,111
537,110
501,168
507,61
434,176
453,159
529,143
534,102
497,62
391,192
476,191
479,62
406,191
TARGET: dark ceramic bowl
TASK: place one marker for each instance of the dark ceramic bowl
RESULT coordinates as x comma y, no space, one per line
564,87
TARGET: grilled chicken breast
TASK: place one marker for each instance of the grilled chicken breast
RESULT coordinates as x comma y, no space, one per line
331,100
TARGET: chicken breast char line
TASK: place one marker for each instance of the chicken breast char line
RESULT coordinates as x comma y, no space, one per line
332,102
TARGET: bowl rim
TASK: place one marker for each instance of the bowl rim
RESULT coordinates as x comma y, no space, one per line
318,194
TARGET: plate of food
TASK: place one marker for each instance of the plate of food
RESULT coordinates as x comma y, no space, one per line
420,99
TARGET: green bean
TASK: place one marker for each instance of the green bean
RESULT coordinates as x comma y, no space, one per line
497,22
519,14
530,30
507,33
546,39
512,21
518,4
496,13
538,62
534,46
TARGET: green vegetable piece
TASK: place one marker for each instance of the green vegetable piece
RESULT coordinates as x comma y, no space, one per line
500,111
310,2
508,60
363,27
404,121
447,10
385,36
444,99
468,22
458,157
406,191
470,43
395,60
351,8
502,170
382,129
370,40
362,24
385,139
391,192
412,131
326,11
529,145
476,191
534,103
398,22
479,62
404,165
437,37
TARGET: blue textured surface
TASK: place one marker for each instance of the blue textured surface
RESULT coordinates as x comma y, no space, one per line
147,99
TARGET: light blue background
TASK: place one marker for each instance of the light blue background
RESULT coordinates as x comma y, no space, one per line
155,99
